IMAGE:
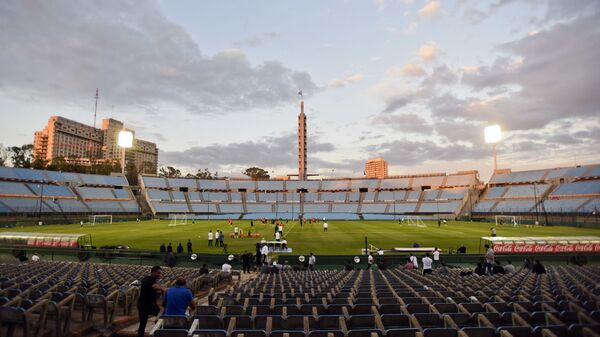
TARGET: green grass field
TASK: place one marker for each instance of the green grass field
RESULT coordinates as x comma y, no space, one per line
343,237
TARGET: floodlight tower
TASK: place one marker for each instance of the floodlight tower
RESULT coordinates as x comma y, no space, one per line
125,141
302,138
493,134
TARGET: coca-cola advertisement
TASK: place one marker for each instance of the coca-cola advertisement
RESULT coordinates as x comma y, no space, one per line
512,248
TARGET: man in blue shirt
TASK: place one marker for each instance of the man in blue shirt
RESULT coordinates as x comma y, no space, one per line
178,299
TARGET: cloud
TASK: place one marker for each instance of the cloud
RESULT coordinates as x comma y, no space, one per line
267,152
406,123
408,152
412,69
338,83
258,39
135,55
431,9
428,52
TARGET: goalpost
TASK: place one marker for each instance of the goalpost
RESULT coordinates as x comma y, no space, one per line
508,220
100,219
415,221
178,219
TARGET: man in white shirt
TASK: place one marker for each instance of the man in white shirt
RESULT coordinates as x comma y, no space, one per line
414,261
264,251
436,257
35,257
226,268
370,261
284,243
489,259
311,262
427,263
493,231
325,225
217,234
278,236
509,268
210,238
235,232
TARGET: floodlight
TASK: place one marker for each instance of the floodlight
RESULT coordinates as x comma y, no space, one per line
125,138
356,259
301,258
492,133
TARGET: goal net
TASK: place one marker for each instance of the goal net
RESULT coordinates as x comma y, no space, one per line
100,219
415,221
178,219
508,220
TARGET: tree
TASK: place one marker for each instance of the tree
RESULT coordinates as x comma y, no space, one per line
256,173
206,174
21,155
169,172
4,155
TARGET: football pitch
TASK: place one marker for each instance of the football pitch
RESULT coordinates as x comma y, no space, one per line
342,237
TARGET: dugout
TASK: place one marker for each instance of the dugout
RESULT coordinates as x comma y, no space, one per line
45,240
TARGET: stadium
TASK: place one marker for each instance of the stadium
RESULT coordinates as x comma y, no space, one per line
97,239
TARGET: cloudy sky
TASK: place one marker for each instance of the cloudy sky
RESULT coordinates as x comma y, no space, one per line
214,83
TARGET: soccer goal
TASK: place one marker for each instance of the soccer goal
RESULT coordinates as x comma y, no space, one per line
508,220
100,219
178,220
415,221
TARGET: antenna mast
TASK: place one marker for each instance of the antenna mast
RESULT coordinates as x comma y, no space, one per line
96,108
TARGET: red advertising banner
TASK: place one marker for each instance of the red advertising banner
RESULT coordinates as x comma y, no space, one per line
526,248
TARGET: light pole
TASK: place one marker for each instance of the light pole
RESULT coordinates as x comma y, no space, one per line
125,142
493,134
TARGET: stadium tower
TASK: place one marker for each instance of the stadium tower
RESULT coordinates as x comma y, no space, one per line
302,142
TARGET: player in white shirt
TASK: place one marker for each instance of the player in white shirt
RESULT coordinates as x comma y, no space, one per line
210,238
414,261
325,225
436,257
427,263
278,236
264,251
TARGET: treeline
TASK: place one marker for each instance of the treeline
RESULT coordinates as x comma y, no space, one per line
172,172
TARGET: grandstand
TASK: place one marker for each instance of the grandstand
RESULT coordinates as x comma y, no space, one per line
358,303
430,195
26,193
546,195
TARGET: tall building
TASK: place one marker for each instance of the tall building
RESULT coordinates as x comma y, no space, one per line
84,144
376,168
302,143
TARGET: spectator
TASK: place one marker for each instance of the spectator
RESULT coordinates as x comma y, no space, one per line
35,257
286,266
509,268
348,266
370,261
189,246
162,248
258,256
265,269
226,268
436,257
443,270
210,238
169,248
414,261
409,264
275,268
312,260
246,261
427,264
489,259
147,299
178,299
538,268
170,260
204,269
382,265
498,269
179,248
527,264
479,270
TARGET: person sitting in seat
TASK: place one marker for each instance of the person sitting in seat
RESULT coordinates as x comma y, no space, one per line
204,269
509,268
479,270
409,265
226,267
538,268
178,299
498,269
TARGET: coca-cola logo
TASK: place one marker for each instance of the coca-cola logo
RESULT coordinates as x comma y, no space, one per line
543,248
597,247
523,248
564,248
504,248
589,247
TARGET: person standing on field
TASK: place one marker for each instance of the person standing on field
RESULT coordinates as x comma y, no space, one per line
189,246
210,238
217,238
